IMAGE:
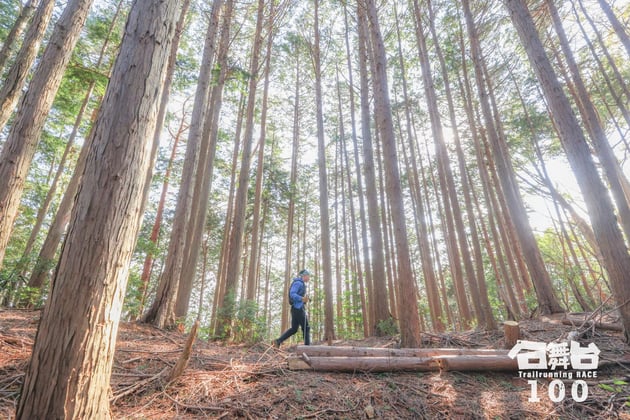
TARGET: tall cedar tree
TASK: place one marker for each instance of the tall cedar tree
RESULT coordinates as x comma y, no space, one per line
329,329
68,376
405,282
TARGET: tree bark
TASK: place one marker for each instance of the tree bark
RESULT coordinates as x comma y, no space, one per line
69,373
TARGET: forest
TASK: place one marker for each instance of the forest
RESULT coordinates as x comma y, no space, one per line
438,167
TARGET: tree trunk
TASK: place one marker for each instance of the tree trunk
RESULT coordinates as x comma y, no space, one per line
43,210
362,212
544,290
20,146
155,231
288,263
94,262
205,169
619,27
599,205
145,277
376,289
19,71
237,229
329,328
16,32
408,305
250,293
162,311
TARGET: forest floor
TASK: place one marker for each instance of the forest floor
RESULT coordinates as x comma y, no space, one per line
254,382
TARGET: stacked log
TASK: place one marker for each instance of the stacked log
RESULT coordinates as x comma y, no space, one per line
370,359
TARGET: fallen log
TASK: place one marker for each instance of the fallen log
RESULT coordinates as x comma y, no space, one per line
404,363
350,351
590,323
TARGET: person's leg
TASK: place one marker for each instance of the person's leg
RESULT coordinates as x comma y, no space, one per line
295,324
303,322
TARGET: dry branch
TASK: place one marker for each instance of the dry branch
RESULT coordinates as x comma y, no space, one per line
594,324
185,356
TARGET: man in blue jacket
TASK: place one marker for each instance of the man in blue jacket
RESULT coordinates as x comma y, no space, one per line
298,300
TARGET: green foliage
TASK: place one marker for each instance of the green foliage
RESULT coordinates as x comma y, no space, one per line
617,387
9,10
387,327
248,327
31,297
225,315
133,298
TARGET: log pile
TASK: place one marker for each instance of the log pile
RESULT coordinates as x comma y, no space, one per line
369,359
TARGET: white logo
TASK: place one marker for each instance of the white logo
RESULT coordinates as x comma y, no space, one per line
553,360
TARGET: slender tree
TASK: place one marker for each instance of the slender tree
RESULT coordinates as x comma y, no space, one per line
544,290
376,288
203,179
237,228
329,329
295,143
408,307
250,292
162,311
15,33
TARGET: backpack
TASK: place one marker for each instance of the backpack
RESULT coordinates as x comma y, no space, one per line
290,287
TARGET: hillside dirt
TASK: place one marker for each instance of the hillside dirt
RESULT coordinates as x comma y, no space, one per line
253,382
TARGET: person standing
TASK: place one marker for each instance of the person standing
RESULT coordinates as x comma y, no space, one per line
298,300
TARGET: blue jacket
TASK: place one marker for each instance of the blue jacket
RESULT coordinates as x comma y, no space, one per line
296,292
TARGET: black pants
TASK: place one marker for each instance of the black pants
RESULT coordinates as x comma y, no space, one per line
298,320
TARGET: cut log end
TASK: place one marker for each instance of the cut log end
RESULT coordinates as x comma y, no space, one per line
511,332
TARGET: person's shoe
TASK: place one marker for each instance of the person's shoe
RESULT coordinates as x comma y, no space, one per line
275,344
